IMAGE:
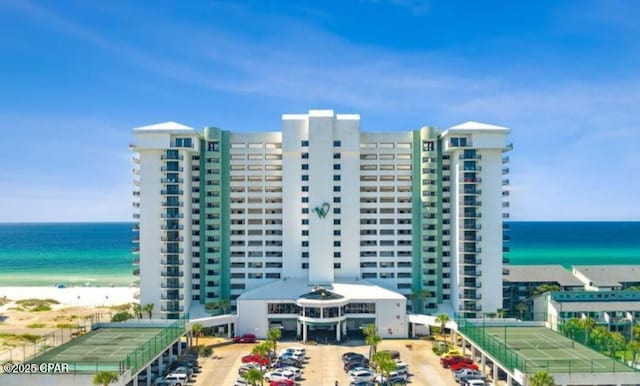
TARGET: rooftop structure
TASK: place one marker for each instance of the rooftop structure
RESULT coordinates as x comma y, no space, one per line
607,277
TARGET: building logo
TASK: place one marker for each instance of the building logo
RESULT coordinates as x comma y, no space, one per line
322,210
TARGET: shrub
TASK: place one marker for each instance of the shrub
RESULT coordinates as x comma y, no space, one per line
205,351
40,308
121,316
36,325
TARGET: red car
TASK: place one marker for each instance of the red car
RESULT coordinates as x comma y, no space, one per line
462,365
246,338
447,362
282,382
254,358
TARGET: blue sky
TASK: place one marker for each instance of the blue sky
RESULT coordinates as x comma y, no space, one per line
76,76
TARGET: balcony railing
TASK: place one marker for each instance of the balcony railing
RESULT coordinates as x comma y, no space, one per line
471,202
171,285
472,238
477,272
172,215
171,227
471,226
167,192
505,159
171,297
172,250
475,261
470,308
172,157
470,156
136,261
472,191
471,285
505,171
471,168
471,180
172,180
172,204
172,309
172,273
470,215
470,296
136,272
175,239
171,261
171,169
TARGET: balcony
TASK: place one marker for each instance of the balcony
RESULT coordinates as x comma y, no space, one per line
470,180
172,169
470,296
471,226
470,156
475,261
172,204
171,261
172,157
171,285
505,182
474,308
505,204
172,215
505,171
136,193
171,273
471,250
172,180
136,272
472,238
136,261
171,227
175,239
472,191
135,250
171,297
474,273
508,147
471,285
471,168
505,160
471,202
172,309
505,260
171,192
172,250
135,171
470,215
505,193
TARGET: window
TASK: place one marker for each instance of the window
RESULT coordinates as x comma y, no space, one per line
428,146
305,155
305,199
305,265
337,143
336,188
336,265
336,221
305,177
336,166
337,243
304,143
305,166
336,210
305,232
213,146
305,243
305,221
336,155
337,255
336,177
305,188
336,200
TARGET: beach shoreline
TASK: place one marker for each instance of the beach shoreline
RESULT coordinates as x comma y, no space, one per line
72,296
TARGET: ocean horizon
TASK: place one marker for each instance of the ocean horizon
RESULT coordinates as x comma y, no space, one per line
99,253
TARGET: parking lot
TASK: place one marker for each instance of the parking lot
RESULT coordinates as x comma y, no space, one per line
324,364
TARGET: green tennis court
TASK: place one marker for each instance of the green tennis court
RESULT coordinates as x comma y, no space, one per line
102,349
544,349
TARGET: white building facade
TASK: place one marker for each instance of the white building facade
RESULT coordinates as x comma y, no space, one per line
225,215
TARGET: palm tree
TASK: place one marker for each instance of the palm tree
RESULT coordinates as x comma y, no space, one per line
383,362
443,319
137,310
196,330
263,349
616,342
211,307
500,312
634,347
224,305
546,288
600,337
253,376
587,324
542,378
104,378
273,336
635,333
521,308
371,338
148,308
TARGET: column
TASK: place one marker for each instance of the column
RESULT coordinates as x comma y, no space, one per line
229,325
298,329
338,331
179,343
135,380
483,361
494,374
304,331
160,366
509,380
149,375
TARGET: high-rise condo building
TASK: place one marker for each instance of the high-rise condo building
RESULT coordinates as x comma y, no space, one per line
320,223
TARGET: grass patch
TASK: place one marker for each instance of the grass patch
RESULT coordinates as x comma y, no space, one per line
66,325
24,337
121,307
36,305
36,325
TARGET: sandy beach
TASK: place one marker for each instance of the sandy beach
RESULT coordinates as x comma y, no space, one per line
72,296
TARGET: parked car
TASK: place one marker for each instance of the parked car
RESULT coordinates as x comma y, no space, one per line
184,370
301,350
278,374
296,371
361,383
467,378
245,338
248,366
474,382
255,358
448,361
241,382
460,366
351,356
356,369
176,379
363,375
282,382
402,368
288,362
394,377
356,361
466,373
292,355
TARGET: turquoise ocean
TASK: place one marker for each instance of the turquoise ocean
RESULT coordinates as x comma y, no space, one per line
100,253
